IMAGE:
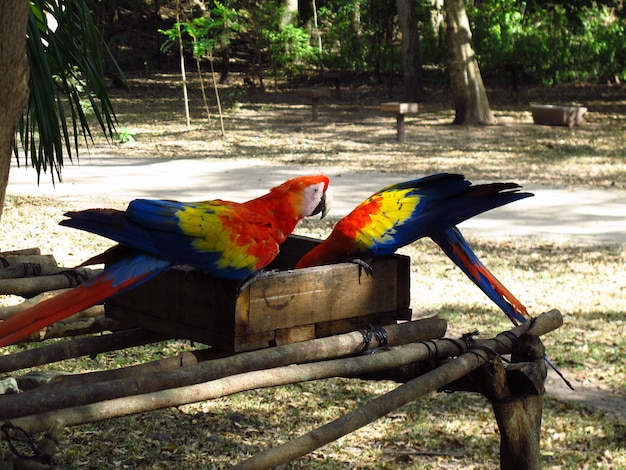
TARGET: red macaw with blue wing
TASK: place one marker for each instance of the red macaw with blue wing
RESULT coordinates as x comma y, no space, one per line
226,239
431,206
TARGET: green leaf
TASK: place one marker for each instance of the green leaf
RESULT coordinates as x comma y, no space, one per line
65,70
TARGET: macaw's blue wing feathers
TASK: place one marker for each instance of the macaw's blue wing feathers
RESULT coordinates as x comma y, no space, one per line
453,244
215,236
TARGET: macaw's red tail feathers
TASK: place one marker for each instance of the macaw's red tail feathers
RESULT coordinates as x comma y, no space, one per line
453,244
110,282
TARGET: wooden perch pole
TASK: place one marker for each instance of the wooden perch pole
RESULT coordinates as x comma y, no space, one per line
379,407
27,265
31,286
278,376
23,251
76,348
182,380
398,334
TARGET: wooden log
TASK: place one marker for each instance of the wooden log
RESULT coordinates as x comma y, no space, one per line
183,359
430,328
39,401
402,395
76,348
31,286
30,270
518,413
24,265
6,312
200,392
23,251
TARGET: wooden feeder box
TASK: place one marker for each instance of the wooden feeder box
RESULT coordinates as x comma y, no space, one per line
553,115
285,307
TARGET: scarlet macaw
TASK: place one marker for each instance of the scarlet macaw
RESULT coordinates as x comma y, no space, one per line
431,207
226,239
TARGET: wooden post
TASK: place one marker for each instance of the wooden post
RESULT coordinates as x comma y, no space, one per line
315,94
516,395
399,109
336,76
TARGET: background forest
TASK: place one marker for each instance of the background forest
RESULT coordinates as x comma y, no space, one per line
538,42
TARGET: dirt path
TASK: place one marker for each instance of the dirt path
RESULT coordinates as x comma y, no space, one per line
581,216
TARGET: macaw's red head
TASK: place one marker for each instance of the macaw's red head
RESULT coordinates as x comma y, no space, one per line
307,195
290,202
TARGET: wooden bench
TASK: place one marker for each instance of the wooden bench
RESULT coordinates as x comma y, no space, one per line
315,94
399,109
336,76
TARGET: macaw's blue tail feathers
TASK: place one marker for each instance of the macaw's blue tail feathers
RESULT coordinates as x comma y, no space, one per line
114,225
453,244
127,273
474,201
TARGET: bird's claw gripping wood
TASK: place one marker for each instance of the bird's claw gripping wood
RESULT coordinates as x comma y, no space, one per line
364,266
262,274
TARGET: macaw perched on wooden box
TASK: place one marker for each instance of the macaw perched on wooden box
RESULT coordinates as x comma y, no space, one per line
431,206
226,239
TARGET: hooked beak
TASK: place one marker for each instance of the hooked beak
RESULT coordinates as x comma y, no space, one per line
325,203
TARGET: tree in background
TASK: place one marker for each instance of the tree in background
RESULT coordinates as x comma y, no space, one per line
13,80
411,51
468,91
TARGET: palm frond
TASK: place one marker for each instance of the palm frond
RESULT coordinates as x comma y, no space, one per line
66,71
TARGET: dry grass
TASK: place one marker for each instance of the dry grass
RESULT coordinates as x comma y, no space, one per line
442,430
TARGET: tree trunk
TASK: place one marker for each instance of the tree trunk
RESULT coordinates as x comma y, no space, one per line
411,51
291,12
468,91
13,80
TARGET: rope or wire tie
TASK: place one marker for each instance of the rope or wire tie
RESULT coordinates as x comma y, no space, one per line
31,269
468,339
433,352
21,436
73,277
367,339
381,336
